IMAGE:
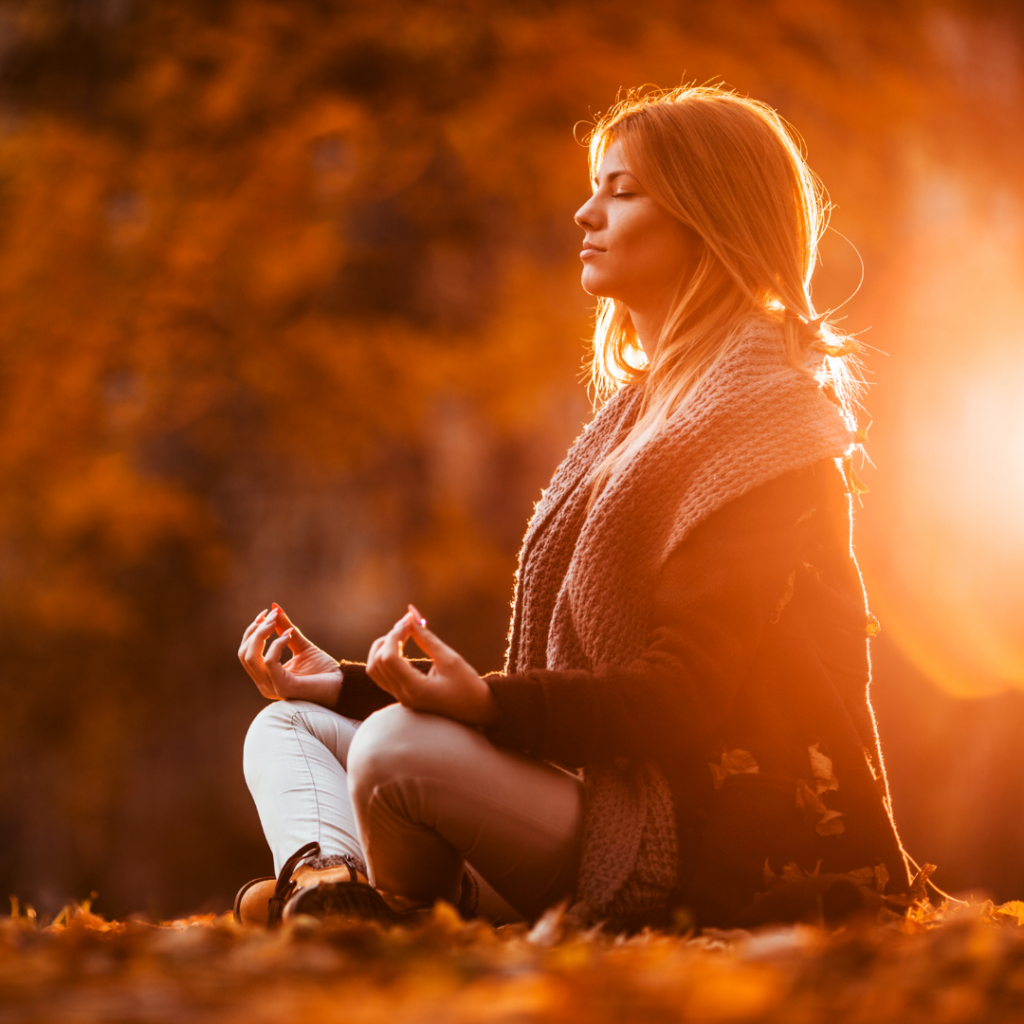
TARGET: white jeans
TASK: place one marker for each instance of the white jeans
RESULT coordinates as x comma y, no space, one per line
414,797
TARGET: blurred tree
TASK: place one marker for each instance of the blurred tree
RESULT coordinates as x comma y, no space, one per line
291,312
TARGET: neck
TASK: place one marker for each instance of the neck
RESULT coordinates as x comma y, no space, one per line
648,324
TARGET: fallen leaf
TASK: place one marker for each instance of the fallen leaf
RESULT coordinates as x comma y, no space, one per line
737,762
881,877
550,926
821,764
919,886
792,872
733,762
1014,909
831,824
821,769
807,799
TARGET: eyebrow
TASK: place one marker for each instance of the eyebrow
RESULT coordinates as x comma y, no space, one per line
613,176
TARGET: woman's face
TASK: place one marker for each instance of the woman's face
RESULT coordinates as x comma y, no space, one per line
634,250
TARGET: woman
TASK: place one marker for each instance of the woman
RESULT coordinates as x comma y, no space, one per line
683,720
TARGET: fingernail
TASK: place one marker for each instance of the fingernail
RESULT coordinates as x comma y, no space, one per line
287,634
272,615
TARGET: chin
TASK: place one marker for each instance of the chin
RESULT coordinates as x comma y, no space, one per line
592,286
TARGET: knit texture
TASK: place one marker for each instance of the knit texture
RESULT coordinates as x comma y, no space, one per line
585,578
336,860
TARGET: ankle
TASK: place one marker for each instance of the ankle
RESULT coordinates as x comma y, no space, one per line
329,868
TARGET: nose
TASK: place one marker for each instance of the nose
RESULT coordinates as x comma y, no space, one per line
588,216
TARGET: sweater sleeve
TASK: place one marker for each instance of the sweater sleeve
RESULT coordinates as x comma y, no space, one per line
360,696
715,598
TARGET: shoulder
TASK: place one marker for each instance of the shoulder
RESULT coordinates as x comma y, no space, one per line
740,557
782,501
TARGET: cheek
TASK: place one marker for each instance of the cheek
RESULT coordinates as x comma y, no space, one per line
646,253
651,242
663,251
634,251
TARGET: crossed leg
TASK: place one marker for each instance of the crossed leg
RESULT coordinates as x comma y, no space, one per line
414,797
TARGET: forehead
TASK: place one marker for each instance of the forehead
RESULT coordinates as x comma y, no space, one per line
612,164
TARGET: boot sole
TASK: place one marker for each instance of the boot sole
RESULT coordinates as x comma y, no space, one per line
351,901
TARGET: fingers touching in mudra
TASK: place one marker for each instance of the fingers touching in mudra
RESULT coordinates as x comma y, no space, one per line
452,687
310,673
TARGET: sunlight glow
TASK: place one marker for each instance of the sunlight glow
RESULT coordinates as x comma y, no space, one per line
959,548
946,540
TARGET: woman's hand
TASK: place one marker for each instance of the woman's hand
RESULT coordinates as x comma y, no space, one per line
310,674
452,687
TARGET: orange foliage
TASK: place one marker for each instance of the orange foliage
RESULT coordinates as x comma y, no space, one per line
291,311
948,966
213,239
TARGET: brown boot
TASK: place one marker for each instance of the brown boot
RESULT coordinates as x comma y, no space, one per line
252,904
261,901
354,899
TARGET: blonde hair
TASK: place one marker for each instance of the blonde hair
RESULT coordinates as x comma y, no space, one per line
734,173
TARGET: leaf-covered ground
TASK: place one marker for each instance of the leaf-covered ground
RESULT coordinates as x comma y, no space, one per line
962,965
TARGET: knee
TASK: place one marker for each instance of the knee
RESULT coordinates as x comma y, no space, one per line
267,730
385,745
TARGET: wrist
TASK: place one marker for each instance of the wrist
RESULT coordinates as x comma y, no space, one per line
324,692
490,712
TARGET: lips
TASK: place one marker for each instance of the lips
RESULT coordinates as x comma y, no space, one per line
589,250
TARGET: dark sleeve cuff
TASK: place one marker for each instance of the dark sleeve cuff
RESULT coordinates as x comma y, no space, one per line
549,714
520,701
360,696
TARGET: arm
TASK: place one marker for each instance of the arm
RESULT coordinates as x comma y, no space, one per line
311,674
714,601
360,696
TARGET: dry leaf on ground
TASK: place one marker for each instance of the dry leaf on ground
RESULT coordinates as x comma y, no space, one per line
946,965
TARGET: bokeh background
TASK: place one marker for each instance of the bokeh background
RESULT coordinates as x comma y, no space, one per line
289,310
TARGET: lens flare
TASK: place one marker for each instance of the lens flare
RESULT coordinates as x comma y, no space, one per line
945,546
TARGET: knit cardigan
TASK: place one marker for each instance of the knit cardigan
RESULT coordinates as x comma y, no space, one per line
586,583
586,574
